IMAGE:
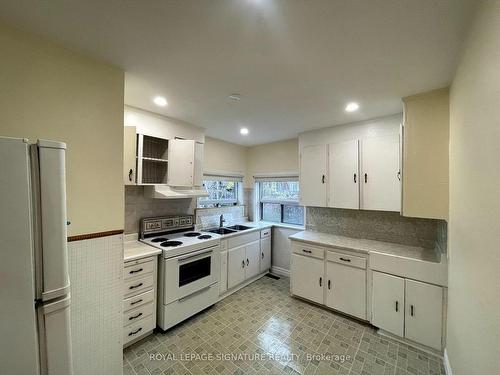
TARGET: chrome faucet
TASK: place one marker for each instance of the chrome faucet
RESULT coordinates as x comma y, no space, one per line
221,221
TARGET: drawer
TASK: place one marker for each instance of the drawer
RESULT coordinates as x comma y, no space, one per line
223,245
135,330
136,285
348,260
138,268
139,300
139,313
242,239
265,233
308,250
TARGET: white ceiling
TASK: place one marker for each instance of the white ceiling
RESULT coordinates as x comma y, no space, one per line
295,62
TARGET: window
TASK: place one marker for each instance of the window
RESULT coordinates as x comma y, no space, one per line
279,201
221,192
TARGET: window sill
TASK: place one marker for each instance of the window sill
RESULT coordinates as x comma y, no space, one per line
283,225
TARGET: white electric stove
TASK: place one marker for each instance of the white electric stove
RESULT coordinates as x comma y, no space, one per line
188,279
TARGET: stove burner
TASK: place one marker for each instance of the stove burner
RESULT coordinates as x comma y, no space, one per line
204,237
191,234
171,243
159,239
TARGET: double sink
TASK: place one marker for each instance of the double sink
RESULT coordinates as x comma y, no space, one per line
229,230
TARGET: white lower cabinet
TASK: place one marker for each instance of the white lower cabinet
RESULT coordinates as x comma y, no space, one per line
408,308
388,297
424,313
223,272
252,259
265,254
346,285
235,266
307,279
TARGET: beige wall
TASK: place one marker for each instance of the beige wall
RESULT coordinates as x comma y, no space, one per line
50,92
224,157
474,228
276,157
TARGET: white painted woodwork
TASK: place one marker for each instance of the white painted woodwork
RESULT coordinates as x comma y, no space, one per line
265,254
252,259
313,175
343,172
198,164
388,302
129,155
346,289
380,186
424,313
223,272
308,250
346,259
307,277
181,162
235,266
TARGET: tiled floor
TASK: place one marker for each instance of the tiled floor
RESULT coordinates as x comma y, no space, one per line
262,330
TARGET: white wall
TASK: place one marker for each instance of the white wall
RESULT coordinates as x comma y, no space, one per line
378,127
224,157
473,328
281,249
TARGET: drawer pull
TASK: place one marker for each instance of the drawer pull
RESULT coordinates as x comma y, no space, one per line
135,316
135,332
135,271
345,260
307,251
329,284
320,281
136,286
397,306
136,302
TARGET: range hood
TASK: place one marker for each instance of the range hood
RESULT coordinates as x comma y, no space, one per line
172,192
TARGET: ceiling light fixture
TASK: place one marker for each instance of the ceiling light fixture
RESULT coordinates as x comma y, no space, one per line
244,131
351,107
160,101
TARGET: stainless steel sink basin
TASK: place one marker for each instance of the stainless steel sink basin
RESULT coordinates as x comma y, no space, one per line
239,227
221,230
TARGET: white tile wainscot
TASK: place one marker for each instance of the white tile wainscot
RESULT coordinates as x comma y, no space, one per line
96,276
400,289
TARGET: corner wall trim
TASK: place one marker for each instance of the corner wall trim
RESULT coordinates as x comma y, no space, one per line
447,365
280,271
89,236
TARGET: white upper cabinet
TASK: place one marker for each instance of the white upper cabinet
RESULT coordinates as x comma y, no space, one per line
343,168
313,175
185,163
380,174
129,155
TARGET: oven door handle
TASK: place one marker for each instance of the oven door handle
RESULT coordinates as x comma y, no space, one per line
203,252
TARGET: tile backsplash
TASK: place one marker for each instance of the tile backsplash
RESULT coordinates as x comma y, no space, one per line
209,217
137,206
377,225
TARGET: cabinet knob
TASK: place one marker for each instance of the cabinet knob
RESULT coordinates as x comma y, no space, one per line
354,177
412,310
130,174
320,281
263,255
397,306
329,284
366,178
248,262
242,264
323,179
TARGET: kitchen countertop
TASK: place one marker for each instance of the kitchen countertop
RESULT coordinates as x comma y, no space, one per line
367,246
256,226
133,249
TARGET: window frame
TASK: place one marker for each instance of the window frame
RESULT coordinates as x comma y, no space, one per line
202,203
281,202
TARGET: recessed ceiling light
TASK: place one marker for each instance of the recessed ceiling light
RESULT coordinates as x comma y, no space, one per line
351,107
160,101
235,97
244,131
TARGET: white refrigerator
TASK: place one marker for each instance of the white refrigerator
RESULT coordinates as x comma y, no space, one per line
35,335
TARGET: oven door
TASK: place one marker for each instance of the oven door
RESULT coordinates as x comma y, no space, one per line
189,273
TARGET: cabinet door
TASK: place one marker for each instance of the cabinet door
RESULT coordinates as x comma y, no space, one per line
129,155
223,272
388,302
346,289
343,172
424,313
235,266
181,162
313,176
198,164
265,254
380,186
252,260
307,277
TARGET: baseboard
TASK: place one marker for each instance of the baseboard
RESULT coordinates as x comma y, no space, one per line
280,271
447,366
